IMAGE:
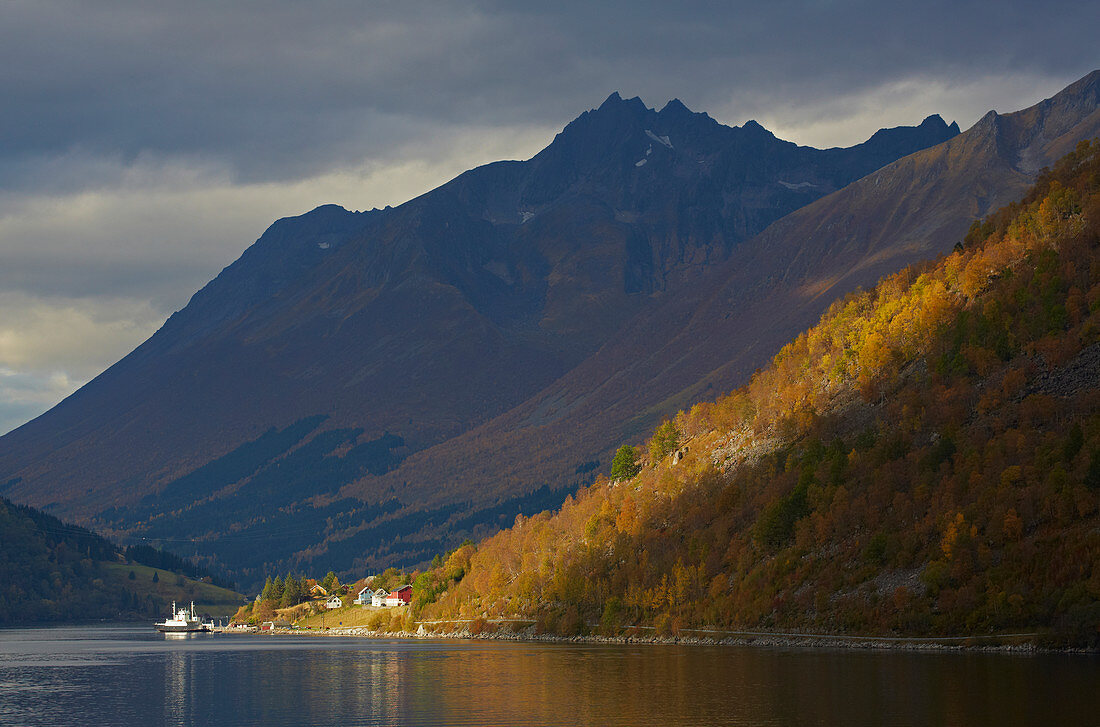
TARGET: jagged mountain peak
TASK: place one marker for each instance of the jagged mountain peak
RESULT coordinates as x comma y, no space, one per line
987,121
933,127
616,101
630,115
675,113
756,128
676,106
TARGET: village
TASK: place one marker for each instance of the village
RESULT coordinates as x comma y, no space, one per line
310,604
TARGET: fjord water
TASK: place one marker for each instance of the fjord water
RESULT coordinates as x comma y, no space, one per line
133,676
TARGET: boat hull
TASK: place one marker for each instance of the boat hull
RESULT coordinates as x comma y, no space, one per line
172,629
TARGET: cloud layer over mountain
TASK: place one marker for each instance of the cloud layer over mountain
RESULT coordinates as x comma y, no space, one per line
146,147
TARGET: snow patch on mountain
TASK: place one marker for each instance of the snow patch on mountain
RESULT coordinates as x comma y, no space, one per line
796,186
663,140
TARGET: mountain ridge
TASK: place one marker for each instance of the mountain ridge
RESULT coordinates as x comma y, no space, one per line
952,184
251,303
923,461
491,262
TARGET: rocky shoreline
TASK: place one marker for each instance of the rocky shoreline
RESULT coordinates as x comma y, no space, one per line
1020,643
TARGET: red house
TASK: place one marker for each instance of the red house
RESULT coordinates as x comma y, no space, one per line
400,597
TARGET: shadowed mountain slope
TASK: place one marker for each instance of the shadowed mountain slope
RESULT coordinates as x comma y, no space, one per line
609,272
924,461
429,318
711,335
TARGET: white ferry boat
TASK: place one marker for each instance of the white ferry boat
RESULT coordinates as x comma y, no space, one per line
184,620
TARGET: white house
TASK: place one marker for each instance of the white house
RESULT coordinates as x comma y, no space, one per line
334,602
378,598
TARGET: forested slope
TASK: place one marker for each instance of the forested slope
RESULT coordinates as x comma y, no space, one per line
51,571
925,460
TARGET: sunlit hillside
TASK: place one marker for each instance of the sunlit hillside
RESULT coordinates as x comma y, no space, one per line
925,460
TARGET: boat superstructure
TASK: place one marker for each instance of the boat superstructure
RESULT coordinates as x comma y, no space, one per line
183,620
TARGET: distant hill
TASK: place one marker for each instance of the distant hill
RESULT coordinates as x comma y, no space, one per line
56,572
340,343
923,461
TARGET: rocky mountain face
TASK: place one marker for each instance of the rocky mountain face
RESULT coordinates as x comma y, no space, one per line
925,460
367,387
707,337
712,334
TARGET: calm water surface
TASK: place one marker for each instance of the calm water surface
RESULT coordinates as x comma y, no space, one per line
134,676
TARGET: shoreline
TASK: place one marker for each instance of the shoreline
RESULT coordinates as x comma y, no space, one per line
1023,644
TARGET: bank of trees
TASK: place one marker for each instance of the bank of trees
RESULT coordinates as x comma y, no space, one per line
54,571
924,460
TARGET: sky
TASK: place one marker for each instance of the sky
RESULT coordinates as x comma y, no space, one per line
144,146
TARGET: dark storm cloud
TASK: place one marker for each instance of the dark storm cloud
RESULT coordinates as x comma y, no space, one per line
279,90
143,145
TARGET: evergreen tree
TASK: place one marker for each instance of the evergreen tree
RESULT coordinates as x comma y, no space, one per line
326,583
277,589
625,464
292,592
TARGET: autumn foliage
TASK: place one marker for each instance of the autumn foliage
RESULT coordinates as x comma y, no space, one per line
925,460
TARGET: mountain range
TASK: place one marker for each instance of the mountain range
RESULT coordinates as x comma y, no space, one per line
368,388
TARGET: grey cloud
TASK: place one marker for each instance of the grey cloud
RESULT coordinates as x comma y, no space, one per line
49,346
23,396
282,90
144,145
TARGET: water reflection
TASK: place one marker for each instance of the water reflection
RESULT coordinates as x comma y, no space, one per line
178,684
131,678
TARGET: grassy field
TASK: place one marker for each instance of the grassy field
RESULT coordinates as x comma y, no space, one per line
209,599
352,616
